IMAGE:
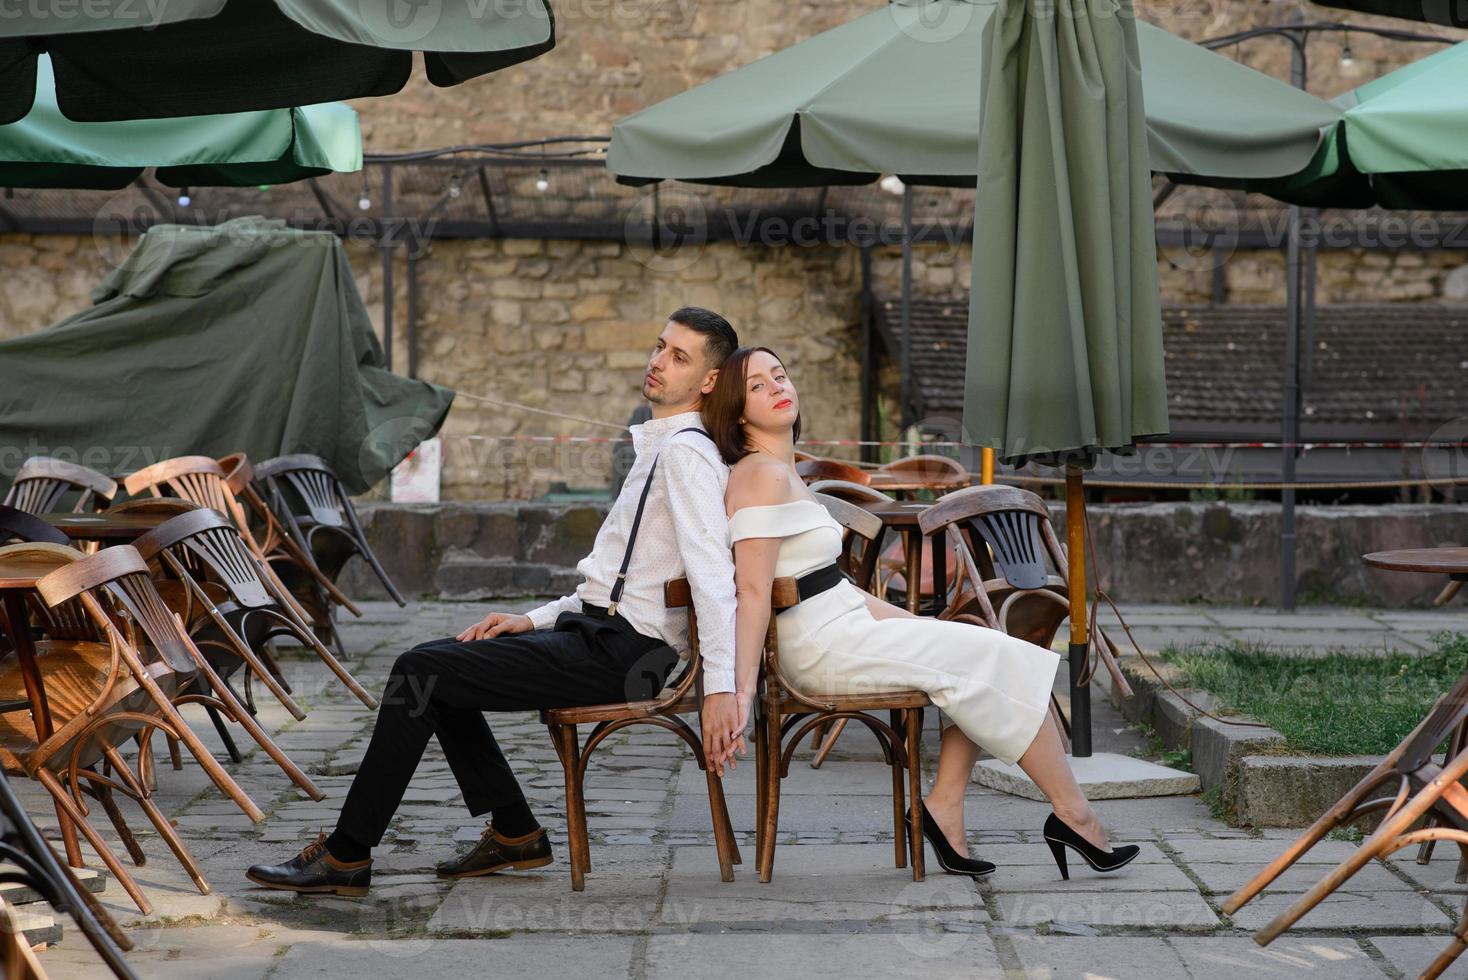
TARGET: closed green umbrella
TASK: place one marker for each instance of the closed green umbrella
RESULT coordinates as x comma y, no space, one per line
897,91
274,146
1065,323
161,58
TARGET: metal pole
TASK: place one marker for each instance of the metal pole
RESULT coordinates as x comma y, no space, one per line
413,311
905,411
385,242
868,453
1291,407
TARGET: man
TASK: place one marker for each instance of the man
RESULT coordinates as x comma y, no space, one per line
607,643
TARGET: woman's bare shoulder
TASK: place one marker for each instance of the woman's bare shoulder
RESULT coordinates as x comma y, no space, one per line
757,481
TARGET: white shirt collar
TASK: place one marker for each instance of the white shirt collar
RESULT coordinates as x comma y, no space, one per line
660,429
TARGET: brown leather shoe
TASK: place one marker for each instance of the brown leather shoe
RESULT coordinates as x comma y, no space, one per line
495,852
314,871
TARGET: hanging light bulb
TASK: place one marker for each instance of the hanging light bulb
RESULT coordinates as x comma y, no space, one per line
1346,59
454,186
365,201
542,183
892,184
183,197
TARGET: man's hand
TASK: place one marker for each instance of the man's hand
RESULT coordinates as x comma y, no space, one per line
722,731
496,624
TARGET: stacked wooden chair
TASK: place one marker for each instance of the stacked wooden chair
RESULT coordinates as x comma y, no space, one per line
681,696
116,664
202,481
787,715
305,494
43,483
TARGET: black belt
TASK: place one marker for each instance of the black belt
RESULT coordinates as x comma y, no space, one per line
814,583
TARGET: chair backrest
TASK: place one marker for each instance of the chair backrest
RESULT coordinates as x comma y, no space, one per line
207,539
196,478
943,469
1014,523
21,526
123,574
828,469
67,620
238,472
313,482
863,528
43,481
846,490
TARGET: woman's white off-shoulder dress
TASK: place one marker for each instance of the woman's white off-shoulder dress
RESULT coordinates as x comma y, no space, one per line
995,687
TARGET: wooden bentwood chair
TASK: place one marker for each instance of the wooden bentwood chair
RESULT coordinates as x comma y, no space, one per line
42,483
203,481
787,715
682,696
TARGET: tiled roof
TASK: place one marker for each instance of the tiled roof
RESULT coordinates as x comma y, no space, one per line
1366,364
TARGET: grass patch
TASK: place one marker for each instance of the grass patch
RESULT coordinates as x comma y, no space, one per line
1344,703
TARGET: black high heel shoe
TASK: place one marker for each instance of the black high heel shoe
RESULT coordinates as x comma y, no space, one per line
950,860
1059,836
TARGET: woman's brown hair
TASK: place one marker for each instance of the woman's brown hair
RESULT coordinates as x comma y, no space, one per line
724,406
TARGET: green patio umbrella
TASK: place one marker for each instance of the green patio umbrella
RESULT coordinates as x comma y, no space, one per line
897,91
204,57
1401,142
1065,323
272,146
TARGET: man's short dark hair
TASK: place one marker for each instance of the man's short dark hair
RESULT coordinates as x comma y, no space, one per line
719,338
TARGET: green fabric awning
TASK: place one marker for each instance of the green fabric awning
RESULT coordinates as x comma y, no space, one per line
1065,323
897,91
206,57
247,336
272,146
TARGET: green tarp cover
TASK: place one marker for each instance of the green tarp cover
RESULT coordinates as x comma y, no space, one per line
246,336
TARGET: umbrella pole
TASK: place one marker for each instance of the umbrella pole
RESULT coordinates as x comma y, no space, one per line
1075,546
905,413
986,465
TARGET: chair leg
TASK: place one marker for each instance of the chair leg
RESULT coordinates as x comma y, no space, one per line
124,832
69,842
224,736
1455,949
761,766
723,829
915,789
828,741
770,817
1327,822
173,756
160,822
900,844
66,803
565,740
1455,745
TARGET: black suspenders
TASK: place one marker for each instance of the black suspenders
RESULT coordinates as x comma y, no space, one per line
636,523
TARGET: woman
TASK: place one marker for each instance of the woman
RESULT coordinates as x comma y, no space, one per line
996,688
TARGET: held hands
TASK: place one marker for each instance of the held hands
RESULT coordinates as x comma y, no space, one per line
497,624
723,718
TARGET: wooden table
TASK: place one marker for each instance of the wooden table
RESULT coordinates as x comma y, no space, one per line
104,526
1452,562
908,482
902,516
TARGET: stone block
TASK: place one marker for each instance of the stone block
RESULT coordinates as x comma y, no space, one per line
1293,791
1103,776
1218,747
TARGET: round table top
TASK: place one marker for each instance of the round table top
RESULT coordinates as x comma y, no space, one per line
1443,561
886,481
17,573
895,513
126,526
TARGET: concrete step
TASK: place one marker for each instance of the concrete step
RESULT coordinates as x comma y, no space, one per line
17,894
38,924
468,576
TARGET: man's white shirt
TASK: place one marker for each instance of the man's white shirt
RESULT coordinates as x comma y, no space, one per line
684,534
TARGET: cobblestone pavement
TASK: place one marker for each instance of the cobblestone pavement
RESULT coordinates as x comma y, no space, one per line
654,906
